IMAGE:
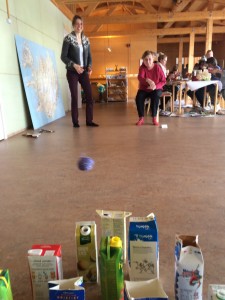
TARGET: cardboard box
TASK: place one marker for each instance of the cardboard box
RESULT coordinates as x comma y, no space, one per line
216,292
45,262
143,248
144,290
113,223
86,251
189,268
67,289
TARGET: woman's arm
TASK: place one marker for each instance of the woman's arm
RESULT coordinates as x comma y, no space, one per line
64,54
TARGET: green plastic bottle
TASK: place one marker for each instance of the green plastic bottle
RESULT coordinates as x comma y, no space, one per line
111,268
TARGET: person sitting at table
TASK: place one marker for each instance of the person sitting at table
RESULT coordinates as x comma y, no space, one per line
209,53
200,66
174,74
151,81
213,68
222,74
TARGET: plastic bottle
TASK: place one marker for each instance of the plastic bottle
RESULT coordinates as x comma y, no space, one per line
111,268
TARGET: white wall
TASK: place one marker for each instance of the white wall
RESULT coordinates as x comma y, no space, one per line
41,22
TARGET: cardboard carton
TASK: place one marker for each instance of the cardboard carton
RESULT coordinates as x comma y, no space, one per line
45,262
143,249
189,268
67,289
113,223
216,292
144,290
86,250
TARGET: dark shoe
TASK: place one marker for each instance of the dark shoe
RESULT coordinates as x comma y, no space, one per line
76,125
91,124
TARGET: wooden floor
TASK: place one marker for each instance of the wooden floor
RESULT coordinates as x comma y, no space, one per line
178,173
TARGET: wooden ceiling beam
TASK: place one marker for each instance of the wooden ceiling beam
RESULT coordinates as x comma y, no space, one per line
89,1
177,8
210,5
148,6
90,8
181,6
187,40
68,13
159,32
154,18
110,12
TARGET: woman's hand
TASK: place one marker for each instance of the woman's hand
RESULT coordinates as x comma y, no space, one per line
78,68
89,71
151,83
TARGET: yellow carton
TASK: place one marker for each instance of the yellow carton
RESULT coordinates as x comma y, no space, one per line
86,250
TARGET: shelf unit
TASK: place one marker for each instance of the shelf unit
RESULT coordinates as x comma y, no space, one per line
117,85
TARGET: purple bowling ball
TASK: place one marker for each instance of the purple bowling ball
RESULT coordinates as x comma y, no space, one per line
85,163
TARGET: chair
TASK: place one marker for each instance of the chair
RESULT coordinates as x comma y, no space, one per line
163,97
221,100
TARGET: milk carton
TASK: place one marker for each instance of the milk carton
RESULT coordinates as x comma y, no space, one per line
45,262
216,292
143,249
144,290
113,223
189,267
86,250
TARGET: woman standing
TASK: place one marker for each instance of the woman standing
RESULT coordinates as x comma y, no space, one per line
76,55
151,81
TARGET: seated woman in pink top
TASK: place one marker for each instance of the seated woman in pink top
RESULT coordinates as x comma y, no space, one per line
151,81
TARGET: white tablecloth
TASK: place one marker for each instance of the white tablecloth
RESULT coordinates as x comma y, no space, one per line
194,85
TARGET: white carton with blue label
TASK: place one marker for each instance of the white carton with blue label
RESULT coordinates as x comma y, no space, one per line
189,268
67,289
143,250
144,290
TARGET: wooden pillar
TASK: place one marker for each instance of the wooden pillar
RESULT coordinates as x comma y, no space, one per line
191,52
209,32
180,55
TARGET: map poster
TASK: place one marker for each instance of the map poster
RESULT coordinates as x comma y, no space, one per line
38,70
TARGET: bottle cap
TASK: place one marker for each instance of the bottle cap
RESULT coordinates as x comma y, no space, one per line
85,230
116,242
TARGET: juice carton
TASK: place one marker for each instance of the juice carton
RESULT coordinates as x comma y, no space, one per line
144,290
114,224
67,289
143,249
111,268
45,262
216,292
86,250
5,285
189,267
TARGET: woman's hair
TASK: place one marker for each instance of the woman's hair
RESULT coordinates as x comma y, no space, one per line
212,61
175,68
75,18
148,52
161,56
